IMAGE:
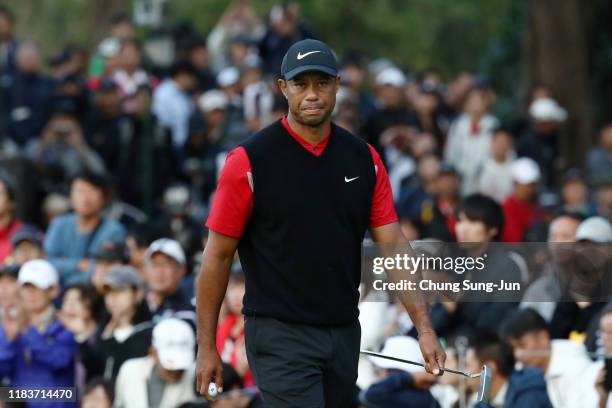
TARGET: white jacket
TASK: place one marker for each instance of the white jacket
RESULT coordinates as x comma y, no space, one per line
468,152
131,386
570,377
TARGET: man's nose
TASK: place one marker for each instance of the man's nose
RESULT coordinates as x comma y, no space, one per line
311,93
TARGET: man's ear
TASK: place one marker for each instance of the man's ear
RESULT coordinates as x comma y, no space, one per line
282,85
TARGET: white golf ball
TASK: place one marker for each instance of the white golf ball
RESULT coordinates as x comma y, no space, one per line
212,390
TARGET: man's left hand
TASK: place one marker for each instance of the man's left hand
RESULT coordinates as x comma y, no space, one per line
433,354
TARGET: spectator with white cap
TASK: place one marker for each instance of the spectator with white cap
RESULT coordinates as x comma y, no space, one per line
468,145
391,115
230,82
540,141
165,378
35,349
213,106
165,267
520,210
595,229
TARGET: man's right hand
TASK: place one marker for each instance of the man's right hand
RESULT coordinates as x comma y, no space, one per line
209,368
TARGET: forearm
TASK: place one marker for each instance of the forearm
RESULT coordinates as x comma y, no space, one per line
211,287
392,243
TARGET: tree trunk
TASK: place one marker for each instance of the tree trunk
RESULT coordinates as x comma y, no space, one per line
99,15
556,55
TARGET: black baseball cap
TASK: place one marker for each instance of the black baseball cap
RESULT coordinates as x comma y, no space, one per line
308,55
113,252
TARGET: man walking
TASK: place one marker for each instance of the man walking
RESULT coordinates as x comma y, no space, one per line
295,200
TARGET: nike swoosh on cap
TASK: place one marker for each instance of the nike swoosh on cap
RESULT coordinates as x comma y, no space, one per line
348,180
301,56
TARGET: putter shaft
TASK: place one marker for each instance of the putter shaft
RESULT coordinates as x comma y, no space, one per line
468,374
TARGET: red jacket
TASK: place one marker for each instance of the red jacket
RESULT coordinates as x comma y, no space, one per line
519,216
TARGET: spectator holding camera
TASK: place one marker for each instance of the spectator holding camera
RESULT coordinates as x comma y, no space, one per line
62,148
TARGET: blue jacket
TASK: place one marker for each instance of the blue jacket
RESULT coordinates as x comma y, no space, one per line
397,390
40,360
526,389
65,246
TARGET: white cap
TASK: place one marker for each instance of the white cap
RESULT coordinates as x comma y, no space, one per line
109,47
596,229
391,76
167,247
39,273
547,110
404,347
525,171
174,341
228,76
213,99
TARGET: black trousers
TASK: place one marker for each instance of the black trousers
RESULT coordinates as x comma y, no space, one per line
303,366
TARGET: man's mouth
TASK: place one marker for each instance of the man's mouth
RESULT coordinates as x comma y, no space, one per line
312,109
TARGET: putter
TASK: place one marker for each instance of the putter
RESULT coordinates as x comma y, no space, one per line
484,388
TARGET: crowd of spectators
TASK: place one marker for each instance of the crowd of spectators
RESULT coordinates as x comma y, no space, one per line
109,162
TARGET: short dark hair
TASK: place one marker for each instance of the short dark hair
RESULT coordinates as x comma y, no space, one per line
522,321
91,298
576,216
479,207
120,18
183,67
97,180
489,347
143,234
503,129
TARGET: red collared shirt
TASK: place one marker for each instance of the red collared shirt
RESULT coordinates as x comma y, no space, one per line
233,201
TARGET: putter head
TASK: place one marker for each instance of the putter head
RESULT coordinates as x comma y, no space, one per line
484,389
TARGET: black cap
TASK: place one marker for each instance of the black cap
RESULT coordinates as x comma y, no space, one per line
9,270
113,252
308,55
107,85
28,233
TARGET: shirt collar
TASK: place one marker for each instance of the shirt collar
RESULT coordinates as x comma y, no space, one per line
315,149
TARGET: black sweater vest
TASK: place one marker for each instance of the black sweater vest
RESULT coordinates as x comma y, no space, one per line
301,251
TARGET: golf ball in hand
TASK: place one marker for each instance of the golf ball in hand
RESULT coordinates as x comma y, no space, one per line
212,390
